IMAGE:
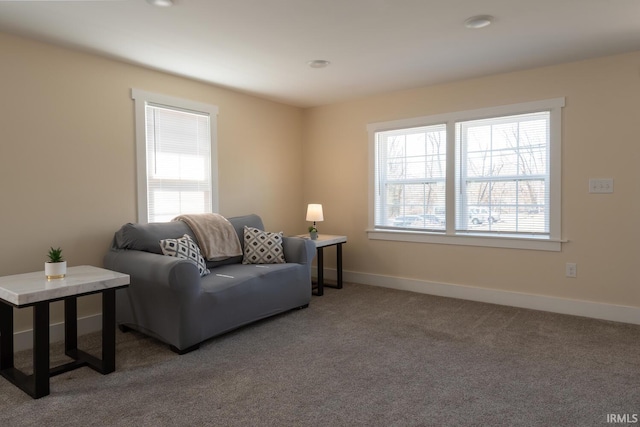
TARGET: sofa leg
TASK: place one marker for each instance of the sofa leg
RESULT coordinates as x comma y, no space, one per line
124,328
184,351
303,307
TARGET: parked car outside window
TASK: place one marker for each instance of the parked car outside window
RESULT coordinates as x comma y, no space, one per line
430,219
406,220
417,221
482,215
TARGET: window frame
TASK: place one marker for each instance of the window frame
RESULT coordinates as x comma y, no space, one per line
552,242
430,181
141,100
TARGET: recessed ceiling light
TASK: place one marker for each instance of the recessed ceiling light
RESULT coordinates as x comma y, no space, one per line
479,21
318,63
161,3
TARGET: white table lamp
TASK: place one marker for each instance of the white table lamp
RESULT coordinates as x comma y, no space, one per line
314,213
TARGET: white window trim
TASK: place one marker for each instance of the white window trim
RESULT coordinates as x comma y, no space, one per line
141,99
553,242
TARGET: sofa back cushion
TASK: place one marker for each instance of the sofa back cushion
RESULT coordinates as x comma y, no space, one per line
146,237
239,222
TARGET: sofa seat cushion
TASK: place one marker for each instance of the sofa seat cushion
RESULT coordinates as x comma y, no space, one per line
243,294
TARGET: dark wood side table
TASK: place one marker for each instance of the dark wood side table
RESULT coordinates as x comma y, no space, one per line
323,241
33,289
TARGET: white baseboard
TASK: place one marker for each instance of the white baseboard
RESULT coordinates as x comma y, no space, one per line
616,313
24,340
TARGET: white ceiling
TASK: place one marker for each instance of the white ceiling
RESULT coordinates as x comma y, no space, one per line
262,46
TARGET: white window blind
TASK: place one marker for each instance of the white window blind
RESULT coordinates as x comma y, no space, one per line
178,162
503,170
177,157
410,177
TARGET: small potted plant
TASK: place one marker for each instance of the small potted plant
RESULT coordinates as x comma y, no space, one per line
313,232
56,266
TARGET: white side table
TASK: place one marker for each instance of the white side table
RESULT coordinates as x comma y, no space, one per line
33,289
323,241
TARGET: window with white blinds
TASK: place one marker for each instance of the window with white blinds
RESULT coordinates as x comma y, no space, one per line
411,170
488,177
177,163
503,174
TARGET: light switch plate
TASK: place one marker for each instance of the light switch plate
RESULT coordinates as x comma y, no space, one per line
601,185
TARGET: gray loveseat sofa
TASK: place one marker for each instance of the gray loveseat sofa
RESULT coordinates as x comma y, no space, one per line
167,298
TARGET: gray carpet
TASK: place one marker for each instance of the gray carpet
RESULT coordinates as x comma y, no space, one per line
358,356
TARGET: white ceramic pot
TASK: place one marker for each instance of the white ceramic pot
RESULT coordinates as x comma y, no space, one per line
313,235
55,270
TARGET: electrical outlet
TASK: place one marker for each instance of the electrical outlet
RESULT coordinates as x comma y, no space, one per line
571,269
601,185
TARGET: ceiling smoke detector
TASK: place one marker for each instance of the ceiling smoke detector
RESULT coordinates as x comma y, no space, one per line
479,21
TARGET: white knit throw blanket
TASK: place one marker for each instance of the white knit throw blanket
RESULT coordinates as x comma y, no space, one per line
217,238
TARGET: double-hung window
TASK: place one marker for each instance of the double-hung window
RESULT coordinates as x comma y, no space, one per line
411,174
488,177
176,157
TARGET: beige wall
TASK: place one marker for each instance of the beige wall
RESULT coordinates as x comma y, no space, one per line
67,155
601,127
67,168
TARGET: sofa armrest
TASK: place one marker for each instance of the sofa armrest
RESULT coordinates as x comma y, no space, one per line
145,268
298,250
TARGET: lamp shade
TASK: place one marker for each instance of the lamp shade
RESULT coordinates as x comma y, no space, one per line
314,212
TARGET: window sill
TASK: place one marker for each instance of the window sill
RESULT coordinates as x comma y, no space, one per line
510,242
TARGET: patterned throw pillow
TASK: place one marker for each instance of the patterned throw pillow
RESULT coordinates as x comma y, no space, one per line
185,248
262,247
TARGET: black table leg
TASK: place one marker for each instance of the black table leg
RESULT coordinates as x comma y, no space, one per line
338,285
108,331
339,264
320,291
71,327
40,349
35,385
6,336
